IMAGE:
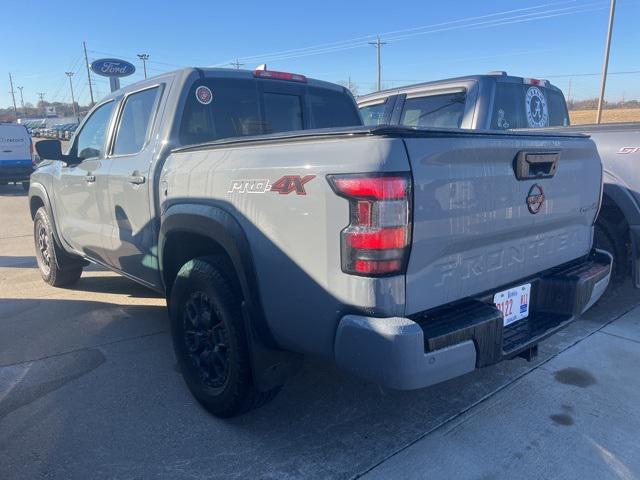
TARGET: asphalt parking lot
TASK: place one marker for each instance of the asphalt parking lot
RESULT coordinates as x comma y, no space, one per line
89,389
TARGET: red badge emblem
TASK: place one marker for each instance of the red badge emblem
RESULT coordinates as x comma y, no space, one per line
204,95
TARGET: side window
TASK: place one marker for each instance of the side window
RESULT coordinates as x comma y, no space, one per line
135,122
90,140
373,115
444,111
557,109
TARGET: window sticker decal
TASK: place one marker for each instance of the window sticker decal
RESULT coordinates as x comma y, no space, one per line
502,122
204,95
537,110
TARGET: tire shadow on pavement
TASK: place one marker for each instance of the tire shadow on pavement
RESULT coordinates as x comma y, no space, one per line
114,284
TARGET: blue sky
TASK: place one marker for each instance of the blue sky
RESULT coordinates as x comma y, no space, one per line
427,40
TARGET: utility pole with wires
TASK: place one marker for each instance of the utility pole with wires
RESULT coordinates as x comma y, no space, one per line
86,62
13,95
236,64
378,44
605,66
73,100
21,100
144,57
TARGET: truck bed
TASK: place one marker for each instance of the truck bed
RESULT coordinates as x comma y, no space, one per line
472,231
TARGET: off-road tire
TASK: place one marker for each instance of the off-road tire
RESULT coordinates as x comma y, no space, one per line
612,237
51,260
200,282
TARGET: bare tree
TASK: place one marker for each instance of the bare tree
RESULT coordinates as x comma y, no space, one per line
350,85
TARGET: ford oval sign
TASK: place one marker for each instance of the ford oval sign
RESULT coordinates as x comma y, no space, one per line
112,67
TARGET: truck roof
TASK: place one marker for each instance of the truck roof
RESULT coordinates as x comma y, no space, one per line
491,76
209,72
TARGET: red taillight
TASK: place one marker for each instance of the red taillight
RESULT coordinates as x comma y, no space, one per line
293,77
376,241
377,188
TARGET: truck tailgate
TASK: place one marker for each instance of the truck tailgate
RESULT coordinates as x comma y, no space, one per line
478,228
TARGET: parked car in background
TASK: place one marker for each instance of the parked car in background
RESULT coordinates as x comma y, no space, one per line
16,161
497,101
68,130
277,225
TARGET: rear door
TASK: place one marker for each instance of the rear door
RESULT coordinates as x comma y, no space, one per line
79,215
15,152
129,232
477,227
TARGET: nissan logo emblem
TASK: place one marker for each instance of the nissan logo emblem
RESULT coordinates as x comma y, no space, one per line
535,198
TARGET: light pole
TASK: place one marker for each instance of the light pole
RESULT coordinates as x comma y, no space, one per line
144,57
605,66
237,64
86,64
13,95
73,100
21,100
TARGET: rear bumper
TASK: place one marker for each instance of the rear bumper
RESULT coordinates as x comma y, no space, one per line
434,346
15,170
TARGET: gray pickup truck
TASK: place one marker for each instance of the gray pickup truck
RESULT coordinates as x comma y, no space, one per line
617,228
277,226
497,101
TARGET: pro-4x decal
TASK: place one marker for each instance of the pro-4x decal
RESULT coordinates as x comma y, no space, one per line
291,183
283,186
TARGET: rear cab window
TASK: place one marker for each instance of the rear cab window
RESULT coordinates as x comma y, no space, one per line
518,105
437,110
218,108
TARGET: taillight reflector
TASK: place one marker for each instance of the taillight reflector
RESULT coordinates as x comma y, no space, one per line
293,77
377,267
384,238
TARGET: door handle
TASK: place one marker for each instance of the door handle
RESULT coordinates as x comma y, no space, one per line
532,165
136,179
90,178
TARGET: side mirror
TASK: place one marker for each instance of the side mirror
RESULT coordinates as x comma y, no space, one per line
49,149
